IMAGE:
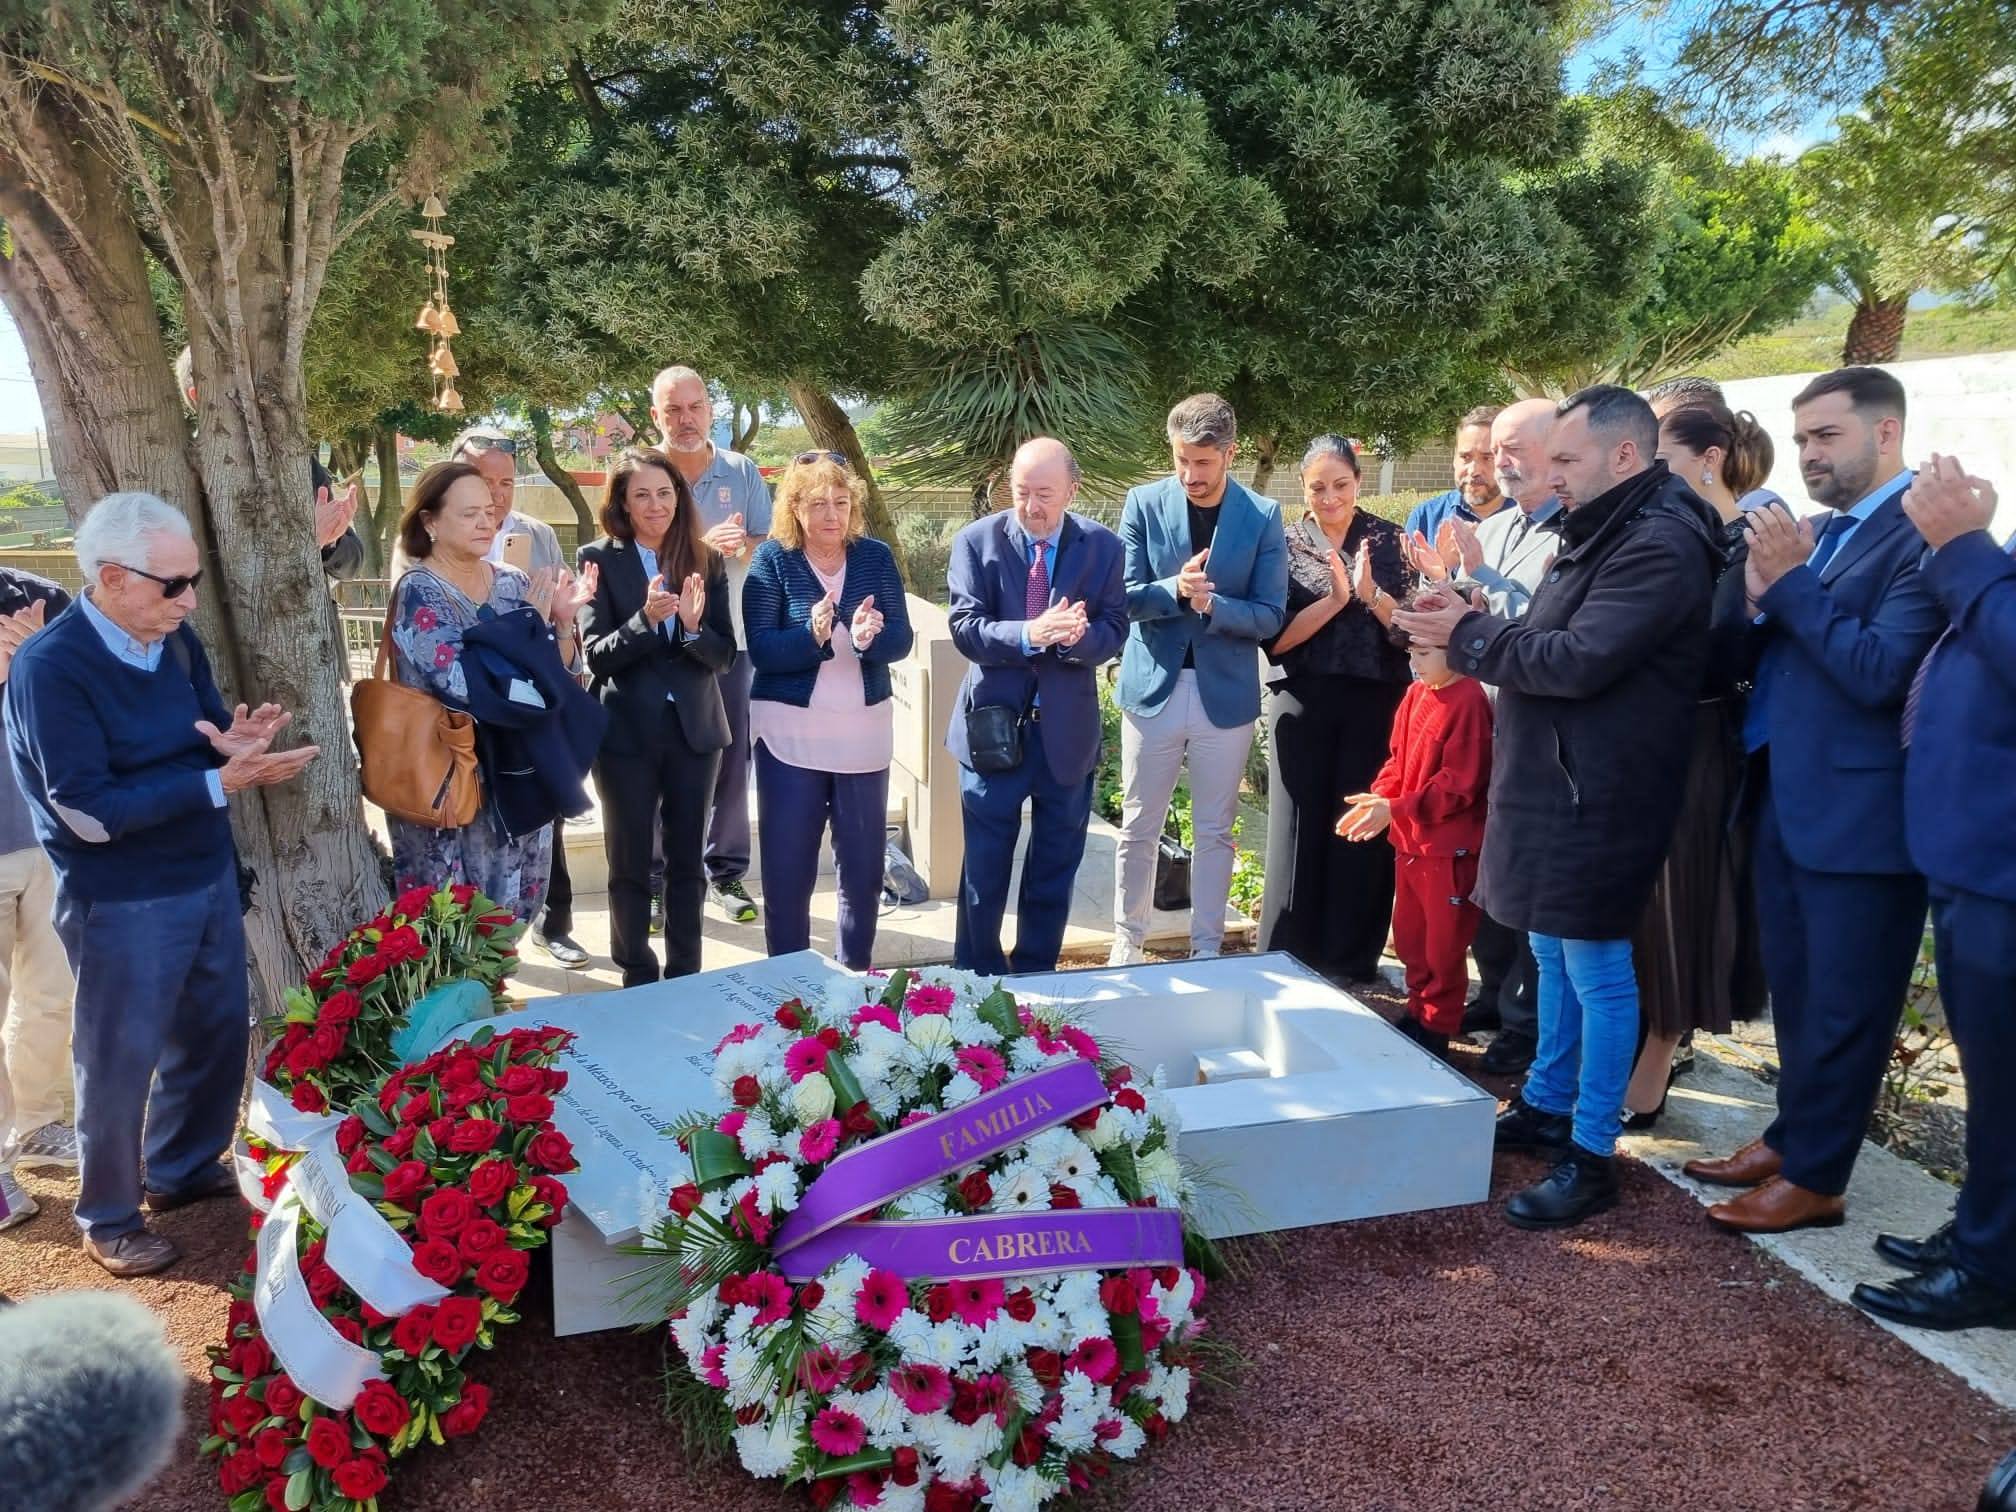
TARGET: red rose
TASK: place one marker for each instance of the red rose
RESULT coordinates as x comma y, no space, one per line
1118,1295
491,1182
275,1059
1021,1305
975,1190
340,1009
283,1397
1047,1366
938,1303
456,1323
473,1137
360,1479
533,1108
520,1081
271,1445
276,1493
463,1069
550,1151
860,1119
403,944
304,1058
903,1466
480,1239
465,1416
830,1037
440,1129
1062,1196
748,1091
445,1213
328,1442
382,1409
350,1134
1131,1100
243,1414
308,1098
461,892
323,1284
400,1145
414,1331
826,1489
545,1189
941,1496
504,1273
788,1016
350,1328
685,1199
366,969
413,902
417,1109
810,1295
405,1182
438,1260
252,1358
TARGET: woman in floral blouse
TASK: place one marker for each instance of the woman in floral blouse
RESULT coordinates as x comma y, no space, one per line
445,533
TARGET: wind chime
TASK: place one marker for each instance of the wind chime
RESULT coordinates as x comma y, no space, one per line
435,318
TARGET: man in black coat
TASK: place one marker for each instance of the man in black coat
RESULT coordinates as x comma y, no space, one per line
1597,686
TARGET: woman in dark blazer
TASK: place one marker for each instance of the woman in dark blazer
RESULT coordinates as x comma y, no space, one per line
657,636
825,615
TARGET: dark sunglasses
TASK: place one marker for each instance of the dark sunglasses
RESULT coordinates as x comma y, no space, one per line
840,458
171,587
489,443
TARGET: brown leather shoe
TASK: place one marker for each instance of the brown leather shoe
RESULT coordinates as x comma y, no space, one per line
214,1182
1777,1207
140,1253
1754,1163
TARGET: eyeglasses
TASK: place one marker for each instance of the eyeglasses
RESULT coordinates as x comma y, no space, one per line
171,587
838,458
487,443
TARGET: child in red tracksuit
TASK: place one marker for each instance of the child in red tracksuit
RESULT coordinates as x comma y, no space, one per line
1432,793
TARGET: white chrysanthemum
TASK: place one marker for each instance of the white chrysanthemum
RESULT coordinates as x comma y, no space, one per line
1028,1390
897,1498
691,1335
950,1344
777,1188
999,1342
1162,1110
737,1324
1076,1429
707,1309
961,1448
1021,1189
910,1335
971,1028
885,1101
1080,1393
768,1448
812,1098
1169,1385
1078,1291
1173,1303
715,1204
961,1089
881,1412
1025,1056
759,1137
1046,1146
742,1364
1127,1443
1018,1488
964,983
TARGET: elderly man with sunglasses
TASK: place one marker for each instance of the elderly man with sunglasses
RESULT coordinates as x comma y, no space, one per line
128,757
733,503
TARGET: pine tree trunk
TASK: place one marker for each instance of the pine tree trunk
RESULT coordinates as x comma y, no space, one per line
1876,334
549,463
831,430
1265,450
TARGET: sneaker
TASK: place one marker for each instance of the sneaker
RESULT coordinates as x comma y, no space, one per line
54,1144
733,899
1124,954
16,1206
563,949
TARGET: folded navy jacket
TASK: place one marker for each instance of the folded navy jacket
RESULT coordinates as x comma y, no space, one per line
537,730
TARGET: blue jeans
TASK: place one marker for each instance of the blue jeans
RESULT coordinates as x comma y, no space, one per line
990,804
159,1038
798,803
1588,1001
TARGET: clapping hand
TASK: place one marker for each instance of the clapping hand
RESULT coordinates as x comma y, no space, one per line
729,537
1366,819
1364,587
692,602
867,623
1469,550
1436,618
1192,584
659,605
822,618
1340,579
334,514
248,732
1944,502
570,593
1778,543
15,629
1427,559
256,766
1059,625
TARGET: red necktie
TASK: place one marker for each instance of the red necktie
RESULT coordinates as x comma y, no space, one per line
1036,598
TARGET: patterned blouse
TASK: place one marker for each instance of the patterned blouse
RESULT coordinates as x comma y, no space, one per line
1354,643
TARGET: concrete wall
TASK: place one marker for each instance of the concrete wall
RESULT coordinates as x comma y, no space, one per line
1962,406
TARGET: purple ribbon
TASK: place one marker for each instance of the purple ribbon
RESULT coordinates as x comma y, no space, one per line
982,1248
904,1159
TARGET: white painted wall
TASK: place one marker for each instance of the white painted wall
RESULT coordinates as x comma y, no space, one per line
1961,406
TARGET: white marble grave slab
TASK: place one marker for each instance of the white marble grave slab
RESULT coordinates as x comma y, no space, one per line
1353,1120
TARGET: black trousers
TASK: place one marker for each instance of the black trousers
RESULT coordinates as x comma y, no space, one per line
1329,901
1508,976
559,916
664,793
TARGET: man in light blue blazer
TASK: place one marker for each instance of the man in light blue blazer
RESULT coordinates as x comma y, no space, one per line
1207,581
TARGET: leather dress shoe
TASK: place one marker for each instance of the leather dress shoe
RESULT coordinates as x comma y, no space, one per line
1777,1207
140,1253
1507,1055
1944,1298
1523,1127
1756,1162
1999,1495
1936,1248
1580,1186
215,1182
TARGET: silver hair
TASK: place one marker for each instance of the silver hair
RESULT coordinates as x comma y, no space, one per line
119,527
1331,444
1203,420
677,373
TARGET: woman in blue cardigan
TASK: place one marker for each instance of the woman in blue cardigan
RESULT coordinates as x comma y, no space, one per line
825,615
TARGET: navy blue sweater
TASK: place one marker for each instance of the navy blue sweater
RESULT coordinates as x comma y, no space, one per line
112,765
777,605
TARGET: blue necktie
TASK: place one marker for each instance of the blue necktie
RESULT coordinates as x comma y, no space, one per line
1830,539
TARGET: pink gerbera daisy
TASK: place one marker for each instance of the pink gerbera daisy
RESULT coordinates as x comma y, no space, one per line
820,1370
1086,1047
710,1367
923,1389
876,1013
882,1297
838,1433
817,1144
985,1066
804,1058
928,1000
977,1302
770,1294
1095,1359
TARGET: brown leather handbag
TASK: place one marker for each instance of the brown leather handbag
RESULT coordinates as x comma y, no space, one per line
417,757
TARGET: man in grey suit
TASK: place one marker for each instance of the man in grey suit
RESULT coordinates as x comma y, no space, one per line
1207,581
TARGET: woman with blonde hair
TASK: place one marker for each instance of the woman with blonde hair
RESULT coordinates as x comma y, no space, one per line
824,613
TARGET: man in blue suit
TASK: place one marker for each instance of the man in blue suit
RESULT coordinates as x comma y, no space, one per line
1207,581
1037,605
1960,729
1843,618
